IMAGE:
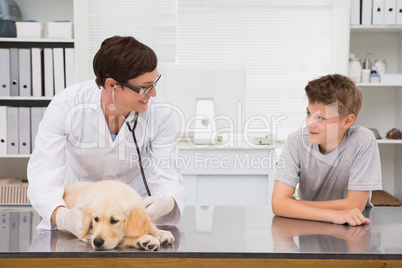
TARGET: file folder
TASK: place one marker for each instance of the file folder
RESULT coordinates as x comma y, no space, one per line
48,72
390,12
24,131
12,130
14,71
36,60
25,72
378,12
3,130
69,56
36,117
399,12
5,72
367,12
58,67
355,12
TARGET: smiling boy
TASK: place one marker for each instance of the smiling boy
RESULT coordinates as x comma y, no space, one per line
335,165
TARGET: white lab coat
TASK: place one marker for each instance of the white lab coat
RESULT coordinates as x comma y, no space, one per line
74,143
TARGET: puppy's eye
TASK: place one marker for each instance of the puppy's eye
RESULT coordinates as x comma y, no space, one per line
113,221
96,219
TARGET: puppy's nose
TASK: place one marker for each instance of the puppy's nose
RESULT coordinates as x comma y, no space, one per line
98,242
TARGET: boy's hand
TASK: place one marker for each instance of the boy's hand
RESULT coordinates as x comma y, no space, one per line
353,217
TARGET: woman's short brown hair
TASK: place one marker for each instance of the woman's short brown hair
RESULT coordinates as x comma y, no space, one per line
334,88
123,58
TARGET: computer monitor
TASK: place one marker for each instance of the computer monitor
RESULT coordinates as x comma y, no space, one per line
208,101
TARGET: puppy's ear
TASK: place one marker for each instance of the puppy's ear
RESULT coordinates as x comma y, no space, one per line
86,222
137,223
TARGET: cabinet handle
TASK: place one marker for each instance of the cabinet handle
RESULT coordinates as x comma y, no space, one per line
378,9
390,9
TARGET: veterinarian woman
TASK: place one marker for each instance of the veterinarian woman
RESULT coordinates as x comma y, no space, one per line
85,135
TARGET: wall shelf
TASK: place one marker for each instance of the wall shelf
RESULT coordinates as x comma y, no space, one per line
18,156
377,85
388,141
6,42
376,29
35,40
381,107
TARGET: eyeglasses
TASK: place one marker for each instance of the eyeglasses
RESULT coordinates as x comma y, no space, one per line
143,91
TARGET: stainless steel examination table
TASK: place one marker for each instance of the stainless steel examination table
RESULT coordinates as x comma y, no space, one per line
216,236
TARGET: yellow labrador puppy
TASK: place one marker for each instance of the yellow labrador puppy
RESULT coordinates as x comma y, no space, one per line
116,213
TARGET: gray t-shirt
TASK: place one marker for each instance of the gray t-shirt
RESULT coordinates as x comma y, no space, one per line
353,165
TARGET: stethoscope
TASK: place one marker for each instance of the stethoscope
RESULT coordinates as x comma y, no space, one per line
135,140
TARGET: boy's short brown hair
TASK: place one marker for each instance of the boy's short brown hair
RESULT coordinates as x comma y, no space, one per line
123,58
334,88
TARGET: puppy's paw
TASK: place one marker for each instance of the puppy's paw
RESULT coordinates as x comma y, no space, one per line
165,237
148,243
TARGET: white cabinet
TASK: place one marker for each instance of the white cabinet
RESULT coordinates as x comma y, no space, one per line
228,177
43,11
382,103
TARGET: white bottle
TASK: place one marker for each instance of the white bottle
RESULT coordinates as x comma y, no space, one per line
381,66
374,76
355,69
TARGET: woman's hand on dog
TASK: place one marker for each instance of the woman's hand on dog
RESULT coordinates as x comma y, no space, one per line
159,206
70,220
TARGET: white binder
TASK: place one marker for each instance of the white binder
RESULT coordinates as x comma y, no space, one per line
3,130
390,12
399,12
36,117
12,130
5,72
24,131
367,12
355,12
48,72
14,71
36,71
58,67
25,71
69,56
378,12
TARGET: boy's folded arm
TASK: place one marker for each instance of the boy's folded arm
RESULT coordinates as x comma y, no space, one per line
354,199
284,205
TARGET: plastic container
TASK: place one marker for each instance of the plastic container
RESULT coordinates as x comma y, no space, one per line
374,76
381,66
367,62
60,30
29,29
355,70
